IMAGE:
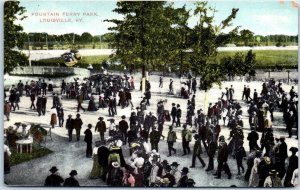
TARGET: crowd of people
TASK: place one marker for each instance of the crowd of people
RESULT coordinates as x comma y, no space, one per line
143,133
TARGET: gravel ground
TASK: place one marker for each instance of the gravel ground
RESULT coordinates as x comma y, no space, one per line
71,155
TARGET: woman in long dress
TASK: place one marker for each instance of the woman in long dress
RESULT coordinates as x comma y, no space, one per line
53,119
254,177
7,154
97,170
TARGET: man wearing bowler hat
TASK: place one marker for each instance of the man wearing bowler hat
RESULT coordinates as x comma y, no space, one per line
70,126
101,128
54,179
183,180
71,181
77,126
88,138
293,165
123,126
197,152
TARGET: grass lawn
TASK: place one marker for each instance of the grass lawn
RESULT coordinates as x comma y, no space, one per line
265,59
268,58
37,152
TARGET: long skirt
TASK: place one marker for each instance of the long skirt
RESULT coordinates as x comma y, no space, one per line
97,170
53,119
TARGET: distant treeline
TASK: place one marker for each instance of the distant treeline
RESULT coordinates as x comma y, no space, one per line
86,40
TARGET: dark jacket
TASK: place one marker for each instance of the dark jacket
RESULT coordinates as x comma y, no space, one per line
123,126
174,111
70,123
71,182
223,153
171,179
53,180
212,147
101,126
197,147
183,181
77,123
88,138
154,136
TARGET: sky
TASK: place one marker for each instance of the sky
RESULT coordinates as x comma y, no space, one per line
262,17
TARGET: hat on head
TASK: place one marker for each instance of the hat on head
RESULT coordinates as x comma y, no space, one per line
173,104
53,169
168,168
178,105
185,170
115,164
100,118
175,164
123,117
294,149
137,108
164,162
24,125
73,172
78,115
184,125
90,126
18,123
196,136
69,115
282,137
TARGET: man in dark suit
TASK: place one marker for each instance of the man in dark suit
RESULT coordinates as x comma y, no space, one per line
54,179
222,159
71,181
178,115
77,126
101,127
123,126
173,113
88,138
70,127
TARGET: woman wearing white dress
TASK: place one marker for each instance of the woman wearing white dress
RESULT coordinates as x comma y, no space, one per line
254,176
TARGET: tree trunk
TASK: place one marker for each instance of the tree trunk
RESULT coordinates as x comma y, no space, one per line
206,95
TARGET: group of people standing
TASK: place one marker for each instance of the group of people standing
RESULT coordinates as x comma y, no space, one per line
143,132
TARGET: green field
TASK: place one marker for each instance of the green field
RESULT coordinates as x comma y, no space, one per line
270,58
265,59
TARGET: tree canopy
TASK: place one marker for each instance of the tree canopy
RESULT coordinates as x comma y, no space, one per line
13,35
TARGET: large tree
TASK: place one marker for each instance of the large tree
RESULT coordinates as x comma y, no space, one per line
13,36
207,39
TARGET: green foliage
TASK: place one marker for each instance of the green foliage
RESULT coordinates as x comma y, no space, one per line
239,64
37,152
13,36
206,41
